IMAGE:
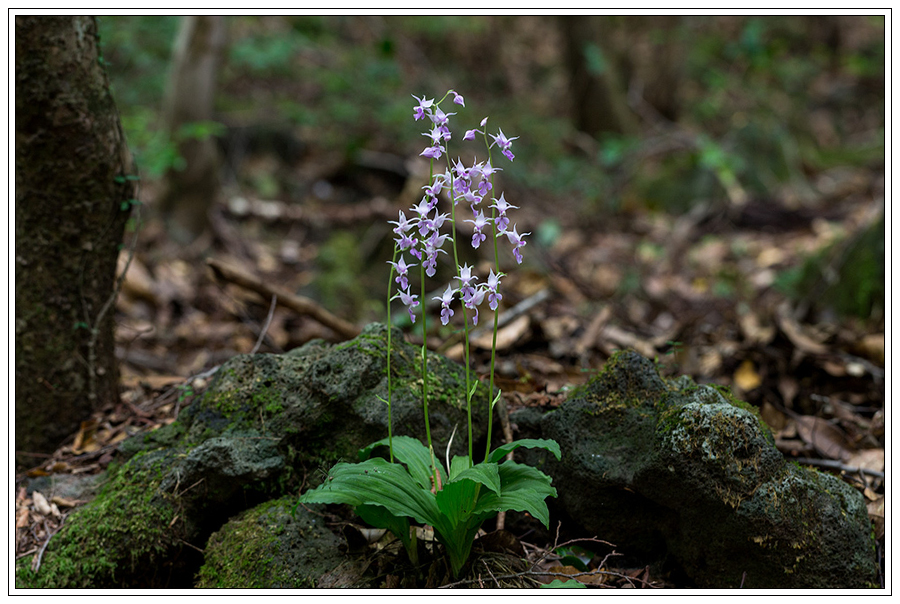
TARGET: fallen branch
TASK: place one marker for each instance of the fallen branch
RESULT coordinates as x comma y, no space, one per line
505,318
299,304
36,561
832,464
265,329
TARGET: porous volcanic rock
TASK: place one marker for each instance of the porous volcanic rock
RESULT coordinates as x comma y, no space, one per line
267,424
689,474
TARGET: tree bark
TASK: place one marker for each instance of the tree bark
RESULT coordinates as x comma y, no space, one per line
74,192
597,94
189,191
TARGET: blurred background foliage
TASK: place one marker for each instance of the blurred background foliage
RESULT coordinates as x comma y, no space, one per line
762,108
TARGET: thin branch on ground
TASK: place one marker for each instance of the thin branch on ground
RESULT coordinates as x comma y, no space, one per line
265,329
299,304
833,464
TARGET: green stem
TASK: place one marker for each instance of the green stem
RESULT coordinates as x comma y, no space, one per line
425,360
464,310
465,318
425,340
389,350
496,318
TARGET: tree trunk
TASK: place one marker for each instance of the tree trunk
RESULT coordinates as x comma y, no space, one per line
190,190
74,188
651,51
597,94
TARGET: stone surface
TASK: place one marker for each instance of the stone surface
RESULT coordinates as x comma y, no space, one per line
269,547
669,471
687,471
266,424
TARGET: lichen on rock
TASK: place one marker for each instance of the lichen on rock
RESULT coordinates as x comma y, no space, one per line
270,546
266,424
686,475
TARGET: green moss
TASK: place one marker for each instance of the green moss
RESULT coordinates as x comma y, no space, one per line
245,405
246,563
267,547
164,437
123,533
706,394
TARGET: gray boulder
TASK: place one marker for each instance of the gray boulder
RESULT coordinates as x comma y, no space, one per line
685,469
266,424
272,546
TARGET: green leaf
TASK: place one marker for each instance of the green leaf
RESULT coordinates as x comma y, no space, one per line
496,398
522,489
380,517
457,502
532,443
414,454
377,482
559,584
388,495
472,391
458,464
576,556
484,473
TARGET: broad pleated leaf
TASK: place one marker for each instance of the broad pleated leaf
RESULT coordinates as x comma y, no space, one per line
380,517
457,502
500,452
458,464
415,455
523,489
483,473
377,482
387,495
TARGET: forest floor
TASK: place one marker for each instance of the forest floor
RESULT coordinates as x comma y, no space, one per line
300,239
695,293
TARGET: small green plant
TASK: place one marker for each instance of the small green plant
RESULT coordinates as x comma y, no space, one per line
560,584
412,484
185,391
157,149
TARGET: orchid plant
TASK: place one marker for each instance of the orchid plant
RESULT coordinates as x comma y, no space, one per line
412,484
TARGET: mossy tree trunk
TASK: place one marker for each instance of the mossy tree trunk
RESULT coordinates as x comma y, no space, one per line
74,187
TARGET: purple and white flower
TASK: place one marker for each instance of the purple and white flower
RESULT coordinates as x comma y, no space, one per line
408,299
402,272
423,106
493,284
504,143
516,240
446,299
502,206
480,222
473,300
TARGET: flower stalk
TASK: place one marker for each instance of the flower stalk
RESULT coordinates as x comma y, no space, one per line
413,485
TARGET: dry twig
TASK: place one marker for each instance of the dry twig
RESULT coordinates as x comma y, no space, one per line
265,329
299,304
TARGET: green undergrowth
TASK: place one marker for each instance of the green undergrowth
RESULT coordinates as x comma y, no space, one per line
130,529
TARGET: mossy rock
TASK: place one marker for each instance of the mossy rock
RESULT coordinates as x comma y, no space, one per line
689,476
845,278
268,546
325,401
132,532
265,423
